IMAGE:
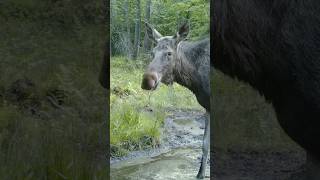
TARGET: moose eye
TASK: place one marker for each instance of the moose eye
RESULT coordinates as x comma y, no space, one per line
169,53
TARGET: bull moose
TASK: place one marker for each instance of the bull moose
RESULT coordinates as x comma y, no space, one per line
176,60
274,46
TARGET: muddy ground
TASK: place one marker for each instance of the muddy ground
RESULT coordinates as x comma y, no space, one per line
178,157
253,165
180,153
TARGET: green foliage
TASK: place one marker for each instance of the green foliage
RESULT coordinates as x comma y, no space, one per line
166,16
136,115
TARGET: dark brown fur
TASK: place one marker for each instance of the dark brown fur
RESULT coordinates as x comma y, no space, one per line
275,47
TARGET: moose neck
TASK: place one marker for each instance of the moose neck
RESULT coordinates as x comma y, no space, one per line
185,71
192,69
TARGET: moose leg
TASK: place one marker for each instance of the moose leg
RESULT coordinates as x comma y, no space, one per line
313,167
205,148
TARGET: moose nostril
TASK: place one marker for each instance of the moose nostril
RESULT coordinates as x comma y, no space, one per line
154,76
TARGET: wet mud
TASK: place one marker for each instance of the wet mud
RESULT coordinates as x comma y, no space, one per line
257,165
178,157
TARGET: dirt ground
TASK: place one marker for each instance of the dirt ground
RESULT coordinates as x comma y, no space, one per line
178,157
180,154
253,165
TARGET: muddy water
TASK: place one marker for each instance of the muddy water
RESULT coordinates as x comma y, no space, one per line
178,157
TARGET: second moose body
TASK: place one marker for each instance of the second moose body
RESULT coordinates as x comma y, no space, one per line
188,64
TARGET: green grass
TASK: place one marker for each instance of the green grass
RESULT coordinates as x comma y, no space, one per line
137,115
243,120
55,143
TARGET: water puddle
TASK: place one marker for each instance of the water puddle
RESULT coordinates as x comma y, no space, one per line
181,163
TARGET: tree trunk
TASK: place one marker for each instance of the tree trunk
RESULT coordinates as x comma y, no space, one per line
137,31
128,34
147,43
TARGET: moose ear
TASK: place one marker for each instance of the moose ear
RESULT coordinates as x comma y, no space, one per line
183,32
153,34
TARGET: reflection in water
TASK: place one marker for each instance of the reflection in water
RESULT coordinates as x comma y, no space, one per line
181,163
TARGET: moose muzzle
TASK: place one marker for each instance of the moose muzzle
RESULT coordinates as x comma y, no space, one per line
150,81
